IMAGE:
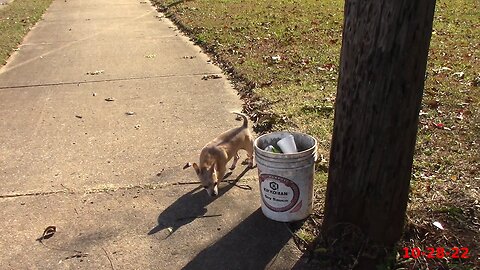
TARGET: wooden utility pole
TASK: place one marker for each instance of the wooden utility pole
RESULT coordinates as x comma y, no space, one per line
382,72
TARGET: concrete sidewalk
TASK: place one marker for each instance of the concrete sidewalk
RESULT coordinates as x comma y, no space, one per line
112,183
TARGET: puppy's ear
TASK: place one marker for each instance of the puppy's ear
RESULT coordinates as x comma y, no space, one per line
197,169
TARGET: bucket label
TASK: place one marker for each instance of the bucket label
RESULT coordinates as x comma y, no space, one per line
278,194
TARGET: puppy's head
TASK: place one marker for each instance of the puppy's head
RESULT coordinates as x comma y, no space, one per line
208,179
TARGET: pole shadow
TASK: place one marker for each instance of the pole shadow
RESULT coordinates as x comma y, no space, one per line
191,206
253,244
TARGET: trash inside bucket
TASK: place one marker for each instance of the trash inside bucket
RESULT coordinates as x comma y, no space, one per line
286,180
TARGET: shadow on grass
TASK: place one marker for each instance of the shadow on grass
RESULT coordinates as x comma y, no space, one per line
191,206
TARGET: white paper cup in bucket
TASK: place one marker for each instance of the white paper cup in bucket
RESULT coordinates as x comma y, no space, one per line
286,180
287,145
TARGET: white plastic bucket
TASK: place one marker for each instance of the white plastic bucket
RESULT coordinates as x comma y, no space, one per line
286,180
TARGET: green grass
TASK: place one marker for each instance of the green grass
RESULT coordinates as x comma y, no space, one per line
306,35
16,19
297,91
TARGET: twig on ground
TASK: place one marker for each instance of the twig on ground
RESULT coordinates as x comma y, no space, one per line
194,217
82,255
109,259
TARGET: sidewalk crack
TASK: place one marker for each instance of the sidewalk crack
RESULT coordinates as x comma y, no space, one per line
109,80
109,189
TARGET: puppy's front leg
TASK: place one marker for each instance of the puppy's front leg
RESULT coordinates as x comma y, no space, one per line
221,172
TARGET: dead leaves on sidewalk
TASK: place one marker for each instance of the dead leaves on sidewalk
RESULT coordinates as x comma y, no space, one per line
96,72
211,77
48,233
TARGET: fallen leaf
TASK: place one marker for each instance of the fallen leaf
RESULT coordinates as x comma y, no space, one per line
441,69
265,84
459,74
48,233
460,116
476,81
130,113
422,113
439,125
208,77
433,104
438,225
276,58
327,67
188,165
110,99
96,72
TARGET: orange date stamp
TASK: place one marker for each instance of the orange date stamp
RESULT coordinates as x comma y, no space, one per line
436,253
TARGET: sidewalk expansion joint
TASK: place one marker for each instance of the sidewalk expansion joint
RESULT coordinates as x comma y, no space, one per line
109,189
106,189
108,80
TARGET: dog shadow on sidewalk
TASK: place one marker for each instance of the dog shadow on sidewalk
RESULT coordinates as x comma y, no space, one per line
191,206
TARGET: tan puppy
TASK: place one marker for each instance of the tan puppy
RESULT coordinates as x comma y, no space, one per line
215,155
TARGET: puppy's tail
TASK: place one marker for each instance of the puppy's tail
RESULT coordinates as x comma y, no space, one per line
245,119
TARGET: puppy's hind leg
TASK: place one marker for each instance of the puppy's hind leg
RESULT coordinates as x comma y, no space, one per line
234,163
249,150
